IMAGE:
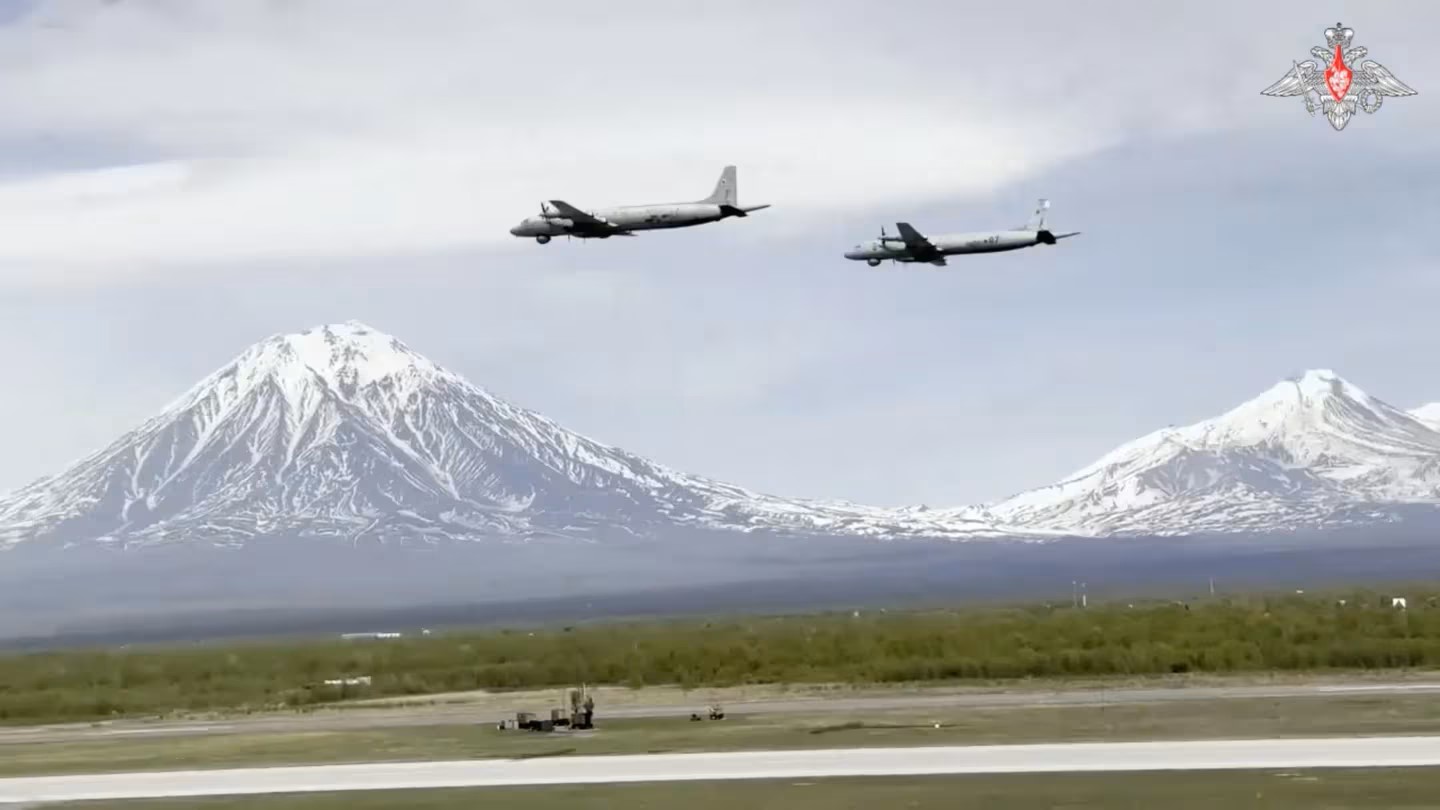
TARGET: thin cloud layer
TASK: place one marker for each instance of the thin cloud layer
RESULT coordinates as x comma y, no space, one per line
179,179
327,128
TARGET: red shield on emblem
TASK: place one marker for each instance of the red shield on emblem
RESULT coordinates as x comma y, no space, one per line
1338,76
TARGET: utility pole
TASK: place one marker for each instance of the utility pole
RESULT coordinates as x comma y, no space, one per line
1084,598
1212,586
1074,594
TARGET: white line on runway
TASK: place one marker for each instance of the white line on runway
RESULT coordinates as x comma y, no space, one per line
123,731
1391,687
1337,752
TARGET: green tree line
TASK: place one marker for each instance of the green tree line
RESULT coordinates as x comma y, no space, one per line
1290,632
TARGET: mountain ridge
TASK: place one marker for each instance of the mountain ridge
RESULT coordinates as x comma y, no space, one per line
1313,451
345,432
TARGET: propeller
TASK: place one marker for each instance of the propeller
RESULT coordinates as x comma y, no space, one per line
886,239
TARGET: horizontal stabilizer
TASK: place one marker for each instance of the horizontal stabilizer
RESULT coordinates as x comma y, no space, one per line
1048,238
740,211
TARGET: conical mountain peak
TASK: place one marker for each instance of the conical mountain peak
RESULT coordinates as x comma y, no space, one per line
339,359
343,431
349,353
1314,386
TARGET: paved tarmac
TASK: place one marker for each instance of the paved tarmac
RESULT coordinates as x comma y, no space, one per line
1342,752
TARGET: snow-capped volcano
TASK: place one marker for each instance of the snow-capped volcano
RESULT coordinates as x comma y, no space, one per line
343,431
1312,452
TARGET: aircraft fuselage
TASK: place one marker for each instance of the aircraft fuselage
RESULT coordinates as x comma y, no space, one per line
629,218
560,218
947,244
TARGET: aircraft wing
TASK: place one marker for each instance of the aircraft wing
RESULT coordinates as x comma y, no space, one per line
920,248
584,222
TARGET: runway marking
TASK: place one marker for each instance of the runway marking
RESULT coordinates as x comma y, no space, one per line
118,731
1396,687
1273,754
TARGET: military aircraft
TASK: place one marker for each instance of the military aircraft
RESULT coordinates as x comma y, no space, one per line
912,246
559,218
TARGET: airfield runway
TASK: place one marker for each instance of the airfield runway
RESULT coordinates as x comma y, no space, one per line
357,717
1342,752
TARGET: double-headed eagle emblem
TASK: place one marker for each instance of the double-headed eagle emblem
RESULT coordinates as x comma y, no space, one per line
1339,79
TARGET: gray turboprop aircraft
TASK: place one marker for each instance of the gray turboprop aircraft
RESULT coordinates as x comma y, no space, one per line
559,218
912,246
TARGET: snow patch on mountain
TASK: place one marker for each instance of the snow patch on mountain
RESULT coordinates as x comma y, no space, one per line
1314,451
1428,414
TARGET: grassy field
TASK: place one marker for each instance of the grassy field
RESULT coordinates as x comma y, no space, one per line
1394,789
1309,716
1283,633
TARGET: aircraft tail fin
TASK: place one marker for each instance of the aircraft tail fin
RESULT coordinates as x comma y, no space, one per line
1037,219
725,192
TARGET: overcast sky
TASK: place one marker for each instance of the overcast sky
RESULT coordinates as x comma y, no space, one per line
181,179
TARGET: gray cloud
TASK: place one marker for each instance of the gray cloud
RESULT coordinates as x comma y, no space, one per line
410,132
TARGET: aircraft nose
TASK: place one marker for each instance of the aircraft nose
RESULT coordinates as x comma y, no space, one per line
518,230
